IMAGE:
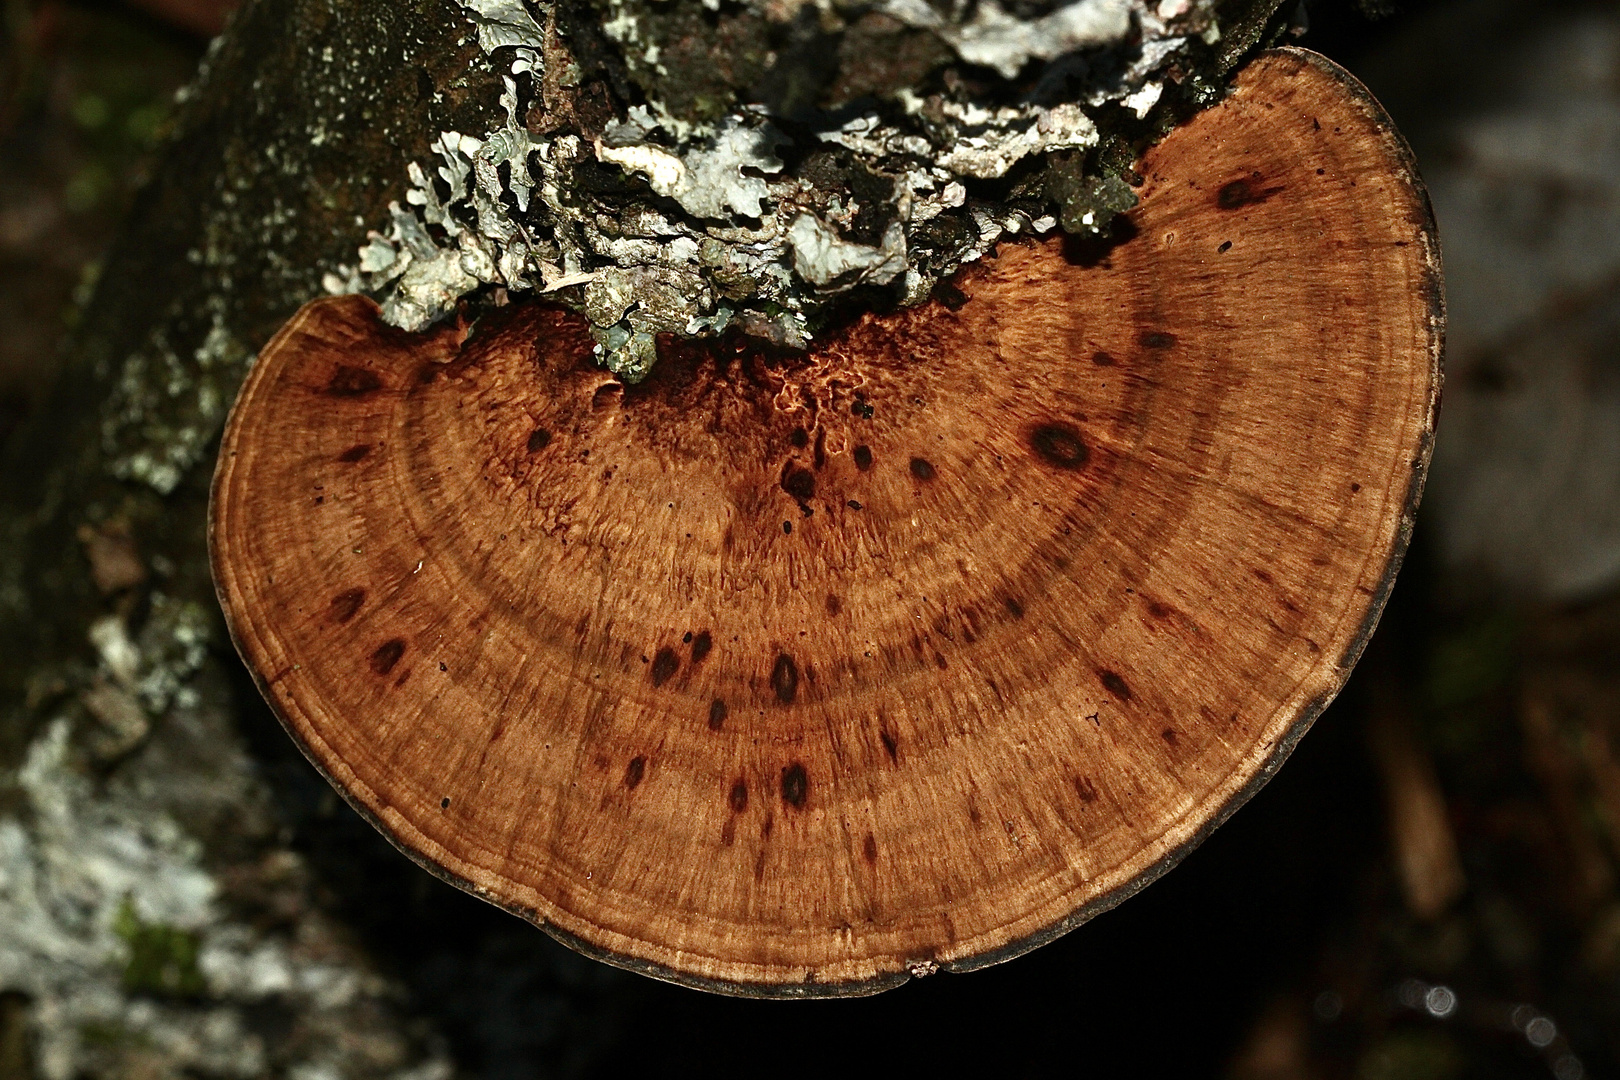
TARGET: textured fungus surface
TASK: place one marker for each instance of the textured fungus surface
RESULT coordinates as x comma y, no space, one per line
794,673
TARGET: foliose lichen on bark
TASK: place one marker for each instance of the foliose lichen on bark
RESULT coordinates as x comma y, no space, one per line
686,166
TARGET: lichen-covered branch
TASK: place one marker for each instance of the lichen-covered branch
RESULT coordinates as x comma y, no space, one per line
690,167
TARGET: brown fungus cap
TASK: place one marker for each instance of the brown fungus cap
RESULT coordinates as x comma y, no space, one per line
795,674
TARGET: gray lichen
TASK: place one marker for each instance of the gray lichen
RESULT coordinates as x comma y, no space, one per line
673,214
997,39
159,373
118,932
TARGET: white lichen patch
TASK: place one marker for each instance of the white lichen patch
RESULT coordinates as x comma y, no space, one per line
503,22
65,878
157,375
115,929
709,181
665,172
994,38
120,924
822,259
983,143
722,233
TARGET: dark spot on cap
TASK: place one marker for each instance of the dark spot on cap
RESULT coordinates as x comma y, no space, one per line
739,796
785,678
1240,193
890,745
346,604
444,804
539,439
798,482
869,848
634,771
820,456
1157,610
835,606
701,646
853,505
923,469
386,655
355,453
862,410
799,438
1233,195
1114,684
1085,789
787,527
664,664
795,785
1155,339
1102,359
607,394
1014,608
1169,736
350,381
1059,445
717,714
686,638
1226,245
939,661
863,457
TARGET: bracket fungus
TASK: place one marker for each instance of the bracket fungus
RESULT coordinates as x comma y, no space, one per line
797,673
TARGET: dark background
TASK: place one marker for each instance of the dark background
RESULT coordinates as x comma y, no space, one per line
1426,890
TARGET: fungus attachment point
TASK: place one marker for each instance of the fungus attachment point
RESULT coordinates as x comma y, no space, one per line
747,672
